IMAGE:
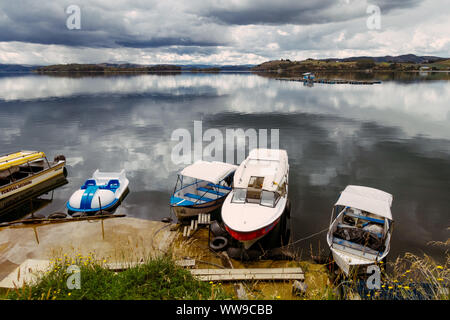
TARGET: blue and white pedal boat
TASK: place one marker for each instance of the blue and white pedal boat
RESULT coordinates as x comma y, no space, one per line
201,188
104,191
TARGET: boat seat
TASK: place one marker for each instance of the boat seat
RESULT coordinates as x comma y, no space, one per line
364,218
180,201
218,186
197,197
113,184
89,183
217,193
355,247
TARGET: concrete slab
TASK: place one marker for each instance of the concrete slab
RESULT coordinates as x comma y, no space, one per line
27,272
115,240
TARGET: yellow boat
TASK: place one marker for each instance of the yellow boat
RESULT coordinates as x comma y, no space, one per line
23,170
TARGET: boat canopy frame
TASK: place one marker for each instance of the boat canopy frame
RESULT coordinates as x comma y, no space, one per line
214,171
212,185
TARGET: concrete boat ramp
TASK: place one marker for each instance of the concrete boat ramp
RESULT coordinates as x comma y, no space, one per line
26,250
114,240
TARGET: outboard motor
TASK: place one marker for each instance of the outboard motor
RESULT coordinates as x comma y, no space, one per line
59,158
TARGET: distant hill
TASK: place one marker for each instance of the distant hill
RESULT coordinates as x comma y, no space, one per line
409,62
129,67
385,63
406,58
16,68
105,68
245,67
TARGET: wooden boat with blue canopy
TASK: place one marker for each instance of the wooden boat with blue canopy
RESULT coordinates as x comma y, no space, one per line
201,188
23,170
104,191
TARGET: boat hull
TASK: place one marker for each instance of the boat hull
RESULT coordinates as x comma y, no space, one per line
350,264
27,183
186,212
349,256
250,238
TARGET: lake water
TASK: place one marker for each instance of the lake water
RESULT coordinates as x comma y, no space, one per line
394,136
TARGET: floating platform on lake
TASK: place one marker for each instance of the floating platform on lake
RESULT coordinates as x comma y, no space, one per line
332,81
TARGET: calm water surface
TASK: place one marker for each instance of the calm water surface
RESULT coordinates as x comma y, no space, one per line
394,136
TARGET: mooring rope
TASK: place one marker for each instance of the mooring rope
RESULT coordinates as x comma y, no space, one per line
305,238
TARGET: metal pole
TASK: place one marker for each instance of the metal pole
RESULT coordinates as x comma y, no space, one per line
100,204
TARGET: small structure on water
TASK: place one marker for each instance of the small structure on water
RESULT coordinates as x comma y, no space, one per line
309,76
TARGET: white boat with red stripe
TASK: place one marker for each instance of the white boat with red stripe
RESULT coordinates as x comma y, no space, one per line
259,196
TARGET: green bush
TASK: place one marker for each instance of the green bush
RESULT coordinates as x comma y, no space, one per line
157,279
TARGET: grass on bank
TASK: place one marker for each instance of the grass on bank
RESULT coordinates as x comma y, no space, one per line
156,279
409,277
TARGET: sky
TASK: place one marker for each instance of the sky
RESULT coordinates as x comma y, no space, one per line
218,31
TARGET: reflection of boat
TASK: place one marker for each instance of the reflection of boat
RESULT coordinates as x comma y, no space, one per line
259,196
30,201
361,231
24,170
201,188
103,191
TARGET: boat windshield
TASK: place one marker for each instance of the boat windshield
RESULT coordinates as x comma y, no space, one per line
239,195
269,198
184,181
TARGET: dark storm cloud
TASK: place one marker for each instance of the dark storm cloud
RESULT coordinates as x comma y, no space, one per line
298,12
167,41
133,24
138,24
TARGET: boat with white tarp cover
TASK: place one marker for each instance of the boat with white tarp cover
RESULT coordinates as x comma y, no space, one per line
361,232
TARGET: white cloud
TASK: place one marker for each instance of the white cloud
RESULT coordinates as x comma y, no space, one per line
221,32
